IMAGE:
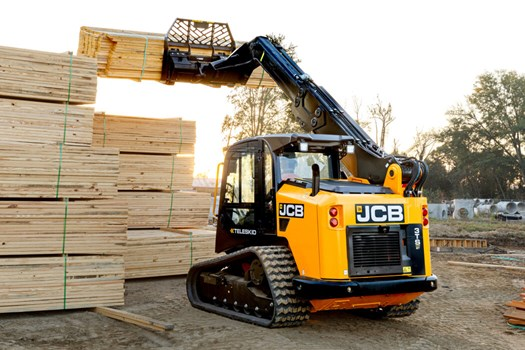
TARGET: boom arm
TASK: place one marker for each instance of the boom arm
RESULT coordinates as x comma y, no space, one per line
316,110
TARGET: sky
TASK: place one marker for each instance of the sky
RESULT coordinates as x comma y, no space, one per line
422,57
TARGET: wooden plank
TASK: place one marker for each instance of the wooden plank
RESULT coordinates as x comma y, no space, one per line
492,266
127,54
144,135
28,122
517,304
47,76
515,314
45,171
135,319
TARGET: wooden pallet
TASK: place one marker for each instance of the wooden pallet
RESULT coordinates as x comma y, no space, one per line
52,171
58,227
152,253
46,76
149,210
137,55
144,135
464,243
29,122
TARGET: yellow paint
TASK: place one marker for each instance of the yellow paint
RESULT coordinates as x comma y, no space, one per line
320,251
393,179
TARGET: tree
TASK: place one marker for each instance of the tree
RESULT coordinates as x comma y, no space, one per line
481,147
422,145
260,111
382,116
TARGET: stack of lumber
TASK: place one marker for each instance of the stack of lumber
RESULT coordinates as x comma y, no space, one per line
136,55
180,209
516,314
152,253
155,173
39,283
144,135
29,122
155,180
63,230
50,171
73,227
46,76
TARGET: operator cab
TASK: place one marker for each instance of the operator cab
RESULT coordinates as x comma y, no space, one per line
256,168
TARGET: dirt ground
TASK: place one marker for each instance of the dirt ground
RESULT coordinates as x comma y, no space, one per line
466,312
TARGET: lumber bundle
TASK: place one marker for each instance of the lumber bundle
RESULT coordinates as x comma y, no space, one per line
46,76
63,227
180,209
60,282
29,122
152,253
144,135
146,172
123,53
54,171
137,55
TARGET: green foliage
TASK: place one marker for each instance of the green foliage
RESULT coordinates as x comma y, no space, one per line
260,111
481,147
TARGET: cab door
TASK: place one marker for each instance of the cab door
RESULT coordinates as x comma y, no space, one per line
246,212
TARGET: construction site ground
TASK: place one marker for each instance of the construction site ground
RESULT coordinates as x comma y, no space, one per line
466,312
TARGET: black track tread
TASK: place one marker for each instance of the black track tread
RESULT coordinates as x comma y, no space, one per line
403,310
279,267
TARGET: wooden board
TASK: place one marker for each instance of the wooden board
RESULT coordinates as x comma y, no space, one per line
45,123
515,314
46,76
137,55
139,320
517,304
145,172
492,266
57,227
152,253
43,171
144,135
153,209
60,282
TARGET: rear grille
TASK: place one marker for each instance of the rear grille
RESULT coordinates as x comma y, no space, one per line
374,253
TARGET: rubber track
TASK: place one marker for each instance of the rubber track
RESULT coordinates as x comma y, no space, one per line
279,268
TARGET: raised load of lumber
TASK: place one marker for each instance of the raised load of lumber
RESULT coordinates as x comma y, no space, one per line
180,209
60,282
29,122
144,135
137,55
145,172
152,253
63,227
54,171
46,76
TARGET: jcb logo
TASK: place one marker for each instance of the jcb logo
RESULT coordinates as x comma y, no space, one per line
291,210
379,213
